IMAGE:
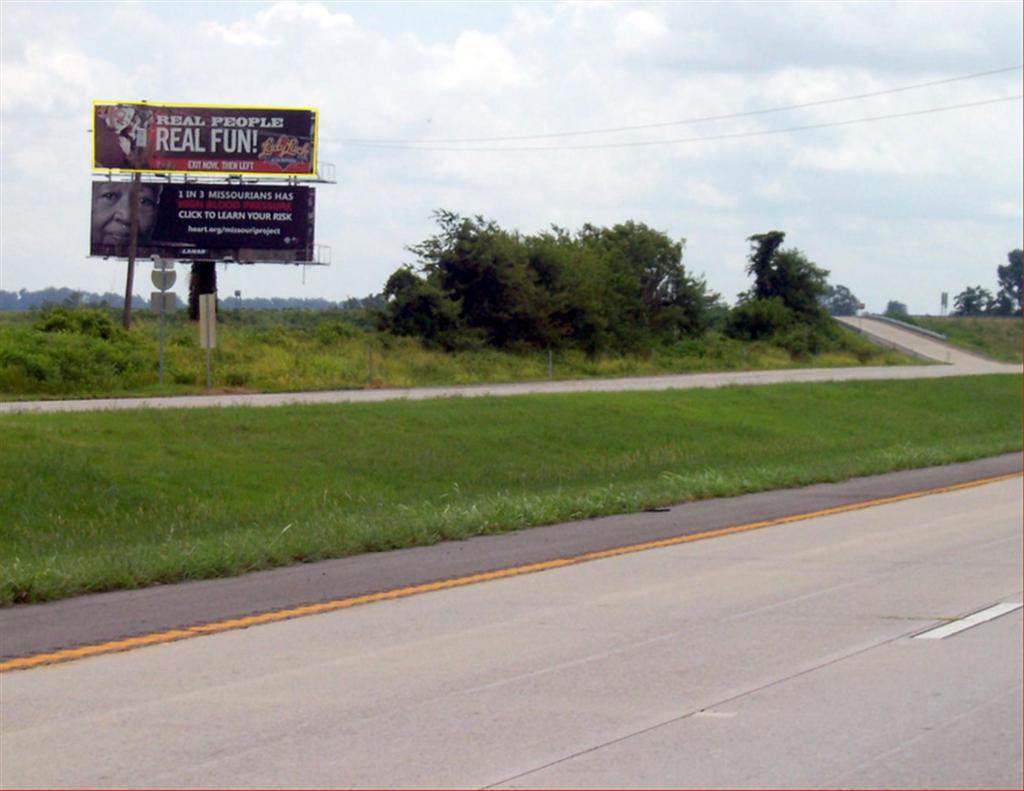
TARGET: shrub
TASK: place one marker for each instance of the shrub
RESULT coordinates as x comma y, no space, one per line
80,321
64,361
757,319
329,333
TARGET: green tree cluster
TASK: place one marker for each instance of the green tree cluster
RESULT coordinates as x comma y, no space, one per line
838,300
784,304
978,301
620,288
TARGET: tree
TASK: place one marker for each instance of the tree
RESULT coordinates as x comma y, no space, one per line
651,294
1008,300
785,301
486,271
785,274
972,302
758,319
416,307
840,301
578,282
763,247
622,287
894,308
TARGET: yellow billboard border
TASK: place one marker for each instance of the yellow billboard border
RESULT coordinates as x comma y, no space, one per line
316,135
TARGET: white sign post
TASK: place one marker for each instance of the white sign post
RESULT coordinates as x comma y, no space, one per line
163,277
208,329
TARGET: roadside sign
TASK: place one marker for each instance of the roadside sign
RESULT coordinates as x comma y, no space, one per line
208,321
162,302
208,329
163,279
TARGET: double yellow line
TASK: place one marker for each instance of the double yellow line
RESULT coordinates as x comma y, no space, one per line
170,635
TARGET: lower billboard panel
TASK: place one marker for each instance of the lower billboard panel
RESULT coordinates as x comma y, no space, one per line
237,222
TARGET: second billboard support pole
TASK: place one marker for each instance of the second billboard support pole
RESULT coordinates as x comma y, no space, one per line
202,280
133,246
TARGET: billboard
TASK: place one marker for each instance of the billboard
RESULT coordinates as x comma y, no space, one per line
147,138
245,223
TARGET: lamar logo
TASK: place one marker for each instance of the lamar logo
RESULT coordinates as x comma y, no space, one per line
284,150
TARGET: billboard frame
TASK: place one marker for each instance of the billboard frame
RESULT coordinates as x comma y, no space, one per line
314,160
318,254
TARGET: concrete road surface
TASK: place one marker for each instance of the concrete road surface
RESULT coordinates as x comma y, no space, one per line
951,363
919,344
784,657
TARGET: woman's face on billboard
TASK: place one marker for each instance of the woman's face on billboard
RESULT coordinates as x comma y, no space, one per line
111,211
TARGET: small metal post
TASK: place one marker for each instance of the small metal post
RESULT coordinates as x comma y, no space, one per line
162,314
369,366
551,363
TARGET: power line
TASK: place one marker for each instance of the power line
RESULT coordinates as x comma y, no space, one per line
706,138
661,125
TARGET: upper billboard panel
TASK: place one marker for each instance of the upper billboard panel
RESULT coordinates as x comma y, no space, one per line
159,138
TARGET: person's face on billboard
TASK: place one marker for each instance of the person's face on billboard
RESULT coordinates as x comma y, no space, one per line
120,117
111,212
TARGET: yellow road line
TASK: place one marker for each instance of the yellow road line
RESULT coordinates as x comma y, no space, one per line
170,635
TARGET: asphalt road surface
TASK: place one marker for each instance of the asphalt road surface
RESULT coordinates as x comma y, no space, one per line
783,656
950,362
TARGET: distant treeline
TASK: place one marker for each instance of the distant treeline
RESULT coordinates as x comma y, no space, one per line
69,297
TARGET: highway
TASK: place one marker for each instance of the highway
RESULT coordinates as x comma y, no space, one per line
782,656
781,639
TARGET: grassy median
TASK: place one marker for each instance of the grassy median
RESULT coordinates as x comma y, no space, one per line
100,501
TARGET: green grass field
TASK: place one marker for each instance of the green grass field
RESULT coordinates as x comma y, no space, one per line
996,338
286,351
100,501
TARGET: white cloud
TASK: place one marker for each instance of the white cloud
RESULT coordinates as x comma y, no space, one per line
35,159
478,62
638,30
271,27
50,76
859,156
708,196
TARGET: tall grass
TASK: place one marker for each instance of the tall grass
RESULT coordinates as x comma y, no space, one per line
278,351
990,336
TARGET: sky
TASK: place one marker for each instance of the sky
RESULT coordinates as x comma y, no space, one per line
896,209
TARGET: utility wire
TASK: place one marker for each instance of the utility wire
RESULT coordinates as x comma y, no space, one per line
706,138
663,124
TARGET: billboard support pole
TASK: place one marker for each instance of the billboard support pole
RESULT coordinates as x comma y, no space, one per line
133,244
